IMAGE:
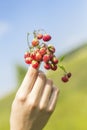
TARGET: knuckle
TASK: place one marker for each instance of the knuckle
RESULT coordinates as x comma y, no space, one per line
50,111
42,108
21,97
31,104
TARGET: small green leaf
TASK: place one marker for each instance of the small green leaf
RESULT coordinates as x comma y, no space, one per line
62,58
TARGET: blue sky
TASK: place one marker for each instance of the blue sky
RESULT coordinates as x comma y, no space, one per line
65,20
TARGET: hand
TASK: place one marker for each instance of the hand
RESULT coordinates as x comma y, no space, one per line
34,102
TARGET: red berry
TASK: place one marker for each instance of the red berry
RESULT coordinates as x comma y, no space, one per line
65,78
27,54
46,58
32,55
47,66
38,56
28,60
46,37
35,42
53,67
39,36
35,64
55,60
42,51
51,48
69,75
50,54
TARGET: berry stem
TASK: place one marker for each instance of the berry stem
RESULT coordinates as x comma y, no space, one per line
35,33
62,67
28,40
41,30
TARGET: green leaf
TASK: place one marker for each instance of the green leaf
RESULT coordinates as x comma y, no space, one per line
62,58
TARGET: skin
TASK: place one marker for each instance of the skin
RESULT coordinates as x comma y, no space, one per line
34,102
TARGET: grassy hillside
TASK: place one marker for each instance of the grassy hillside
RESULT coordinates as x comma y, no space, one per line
71,109
5,106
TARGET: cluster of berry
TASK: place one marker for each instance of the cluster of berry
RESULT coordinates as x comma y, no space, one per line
39,51
66,77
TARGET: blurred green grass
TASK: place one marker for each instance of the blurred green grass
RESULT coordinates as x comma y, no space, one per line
71,109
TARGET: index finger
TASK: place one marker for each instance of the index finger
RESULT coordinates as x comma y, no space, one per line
28,81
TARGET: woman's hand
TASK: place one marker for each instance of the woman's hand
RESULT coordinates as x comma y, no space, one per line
34,102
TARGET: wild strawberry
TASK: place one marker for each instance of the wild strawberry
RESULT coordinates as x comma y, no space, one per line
65,78
49,53
55,60
51,48
46,58
35,42
39,36
27,54
38,56
53,67
51,56
28,60
69,75
42,50
33,55
46,37
47,66
35,64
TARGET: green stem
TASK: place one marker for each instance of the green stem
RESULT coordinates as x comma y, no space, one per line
41,30
28,39
63,68
35,33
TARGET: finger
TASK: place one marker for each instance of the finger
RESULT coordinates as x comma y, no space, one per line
35,94
28,82
53,99
46,94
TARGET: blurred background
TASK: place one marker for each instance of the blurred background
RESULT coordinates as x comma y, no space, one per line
66,22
